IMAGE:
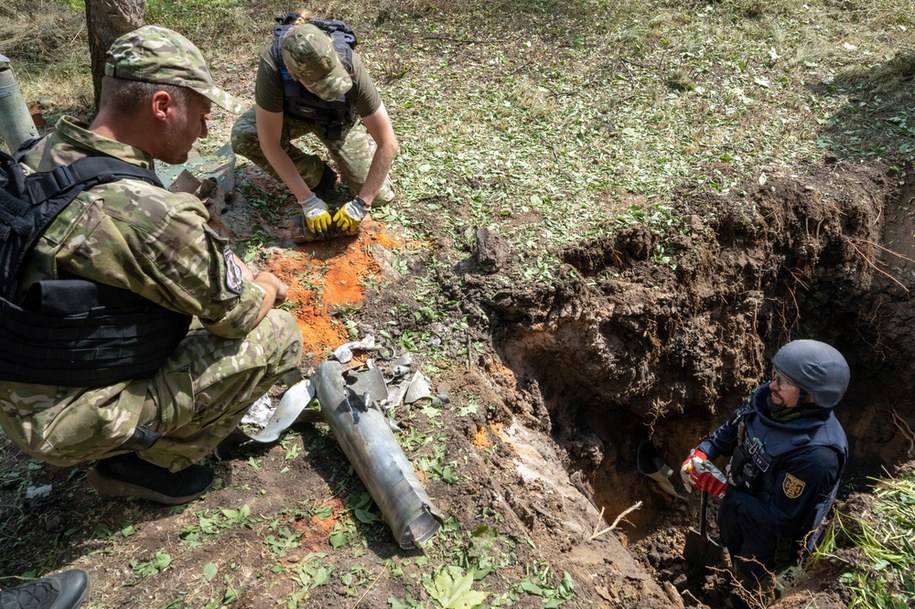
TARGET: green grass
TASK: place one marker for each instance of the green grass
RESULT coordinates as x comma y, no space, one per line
886,537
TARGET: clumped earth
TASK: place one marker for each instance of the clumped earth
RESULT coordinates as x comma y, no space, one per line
533,452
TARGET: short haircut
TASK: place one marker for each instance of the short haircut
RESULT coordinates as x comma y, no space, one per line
126,97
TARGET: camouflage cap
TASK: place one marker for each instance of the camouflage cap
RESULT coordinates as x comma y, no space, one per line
158,55
310,57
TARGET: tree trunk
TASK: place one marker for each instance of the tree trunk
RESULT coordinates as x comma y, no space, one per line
106,20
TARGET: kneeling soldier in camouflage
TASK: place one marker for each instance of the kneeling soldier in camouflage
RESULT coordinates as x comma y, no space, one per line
311,81
130,332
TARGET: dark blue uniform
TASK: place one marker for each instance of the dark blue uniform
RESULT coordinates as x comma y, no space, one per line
782,480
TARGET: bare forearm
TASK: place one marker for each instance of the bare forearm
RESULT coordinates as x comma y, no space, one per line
378,172
286,169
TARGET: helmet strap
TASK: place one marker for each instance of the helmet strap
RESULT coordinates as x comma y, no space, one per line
801,397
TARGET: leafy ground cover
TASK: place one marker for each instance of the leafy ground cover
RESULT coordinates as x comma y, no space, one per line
547,123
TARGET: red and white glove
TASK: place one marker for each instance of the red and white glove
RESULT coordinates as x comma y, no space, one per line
698,472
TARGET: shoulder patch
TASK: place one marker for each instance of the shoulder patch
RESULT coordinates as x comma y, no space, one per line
793,486
234,281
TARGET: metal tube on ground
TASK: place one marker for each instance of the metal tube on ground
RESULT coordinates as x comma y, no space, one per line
366,439
16,124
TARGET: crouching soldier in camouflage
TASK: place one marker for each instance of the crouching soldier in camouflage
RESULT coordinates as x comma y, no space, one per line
311,81
131,334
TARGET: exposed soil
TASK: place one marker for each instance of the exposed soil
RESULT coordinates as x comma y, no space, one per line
568,381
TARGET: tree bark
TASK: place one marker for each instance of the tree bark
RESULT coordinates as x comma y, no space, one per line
105,21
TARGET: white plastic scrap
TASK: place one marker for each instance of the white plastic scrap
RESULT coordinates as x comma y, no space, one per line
260,412
35,492
344,353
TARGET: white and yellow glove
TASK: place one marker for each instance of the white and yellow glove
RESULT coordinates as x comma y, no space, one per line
317,218
348,217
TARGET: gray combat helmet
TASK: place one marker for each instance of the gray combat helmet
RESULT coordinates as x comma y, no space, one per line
817,368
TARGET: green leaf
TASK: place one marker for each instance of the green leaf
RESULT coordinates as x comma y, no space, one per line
451,589
338,539
162,561
209,571
365,516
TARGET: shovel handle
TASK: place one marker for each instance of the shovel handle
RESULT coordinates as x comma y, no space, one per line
703,509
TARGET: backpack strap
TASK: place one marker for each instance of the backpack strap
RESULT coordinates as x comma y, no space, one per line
28,204
84,173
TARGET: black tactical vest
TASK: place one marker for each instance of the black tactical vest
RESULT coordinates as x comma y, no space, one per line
71,331
336,116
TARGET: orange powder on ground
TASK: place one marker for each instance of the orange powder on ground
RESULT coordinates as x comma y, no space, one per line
316,531
324,276
481,439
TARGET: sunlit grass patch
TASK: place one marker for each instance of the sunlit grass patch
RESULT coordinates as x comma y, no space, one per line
886,537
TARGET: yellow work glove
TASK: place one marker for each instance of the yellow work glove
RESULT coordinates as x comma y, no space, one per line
350,215
317,218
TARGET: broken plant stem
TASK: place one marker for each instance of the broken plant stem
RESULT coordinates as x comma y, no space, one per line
596,534
372,585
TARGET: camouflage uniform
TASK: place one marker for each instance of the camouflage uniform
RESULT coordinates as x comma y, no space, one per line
135,236
351,148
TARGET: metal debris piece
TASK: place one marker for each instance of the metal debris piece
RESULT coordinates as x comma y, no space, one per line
652,465
417,389
291,406
344,352
396,395
401,366
369,380
378,459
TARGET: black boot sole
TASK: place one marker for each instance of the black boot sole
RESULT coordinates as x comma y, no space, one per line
118,488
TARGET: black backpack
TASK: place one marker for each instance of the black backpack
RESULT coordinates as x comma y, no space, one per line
71,331
333,27
335,117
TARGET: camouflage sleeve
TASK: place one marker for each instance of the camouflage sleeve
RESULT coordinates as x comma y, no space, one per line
158,244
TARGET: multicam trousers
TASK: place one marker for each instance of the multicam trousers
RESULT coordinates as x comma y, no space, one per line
195,400
351,151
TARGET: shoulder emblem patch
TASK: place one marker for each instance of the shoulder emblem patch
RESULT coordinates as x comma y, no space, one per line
234,281
793,486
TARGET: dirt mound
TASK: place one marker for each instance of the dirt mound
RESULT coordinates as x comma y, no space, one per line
635,346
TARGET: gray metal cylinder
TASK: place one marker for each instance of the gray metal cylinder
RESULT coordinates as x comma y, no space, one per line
367,441
16,125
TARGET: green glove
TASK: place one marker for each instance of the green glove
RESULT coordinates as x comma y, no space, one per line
350,215
317,218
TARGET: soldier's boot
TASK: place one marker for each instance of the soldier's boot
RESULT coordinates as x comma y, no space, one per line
64,590
130,476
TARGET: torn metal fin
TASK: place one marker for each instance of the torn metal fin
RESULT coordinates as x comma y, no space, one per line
368,380
291,406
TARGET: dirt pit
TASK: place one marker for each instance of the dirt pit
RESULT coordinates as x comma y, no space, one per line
656,336
632,349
